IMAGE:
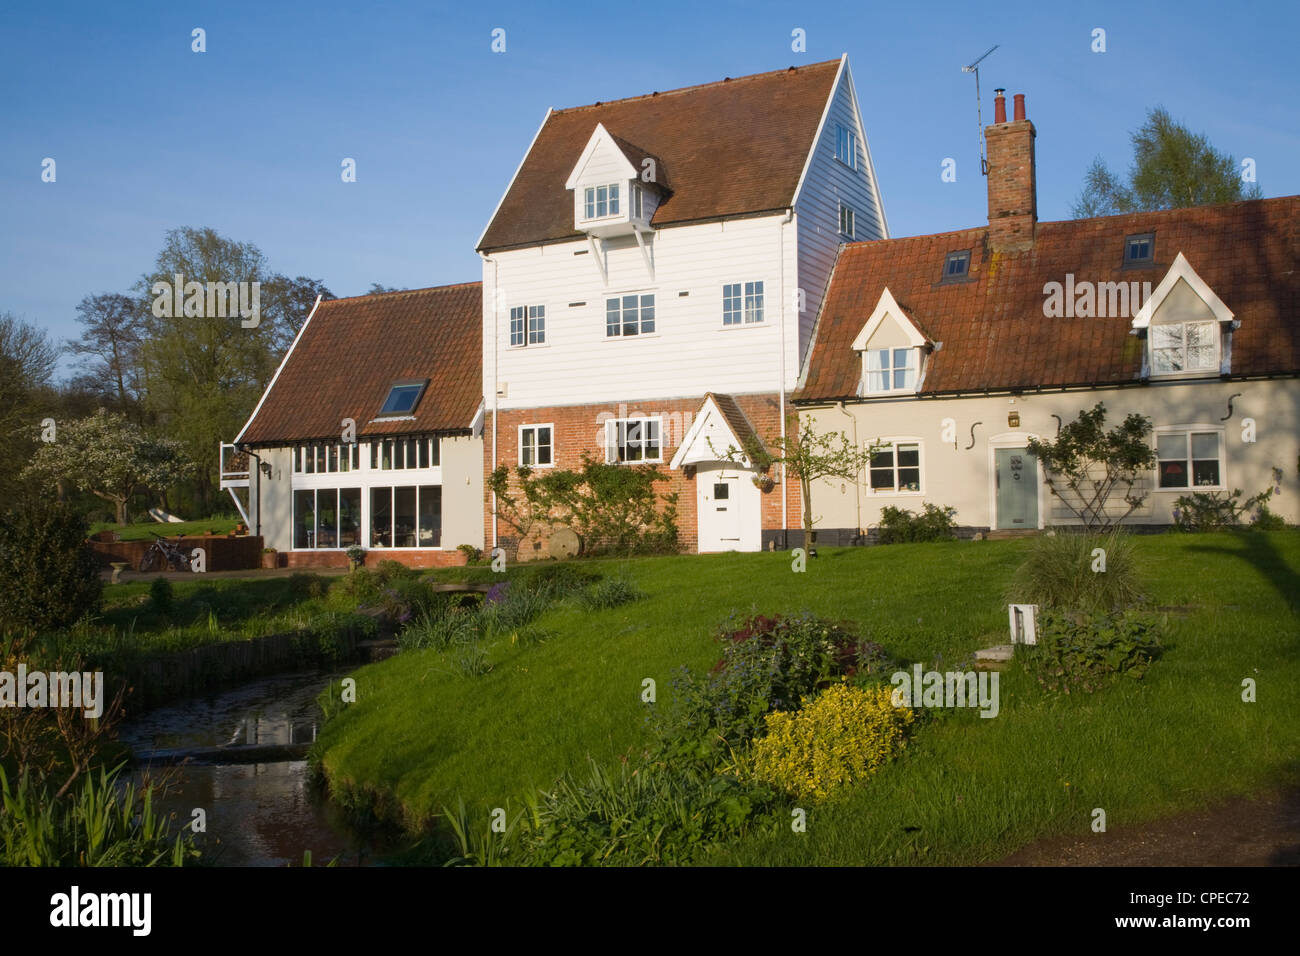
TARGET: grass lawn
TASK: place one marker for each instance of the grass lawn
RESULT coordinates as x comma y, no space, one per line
968,789
145,530
203,612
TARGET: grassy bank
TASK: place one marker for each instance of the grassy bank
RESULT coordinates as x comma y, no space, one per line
422,734
145,530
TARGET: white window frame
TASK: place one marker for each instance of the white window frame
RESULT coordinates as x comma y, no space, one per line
351,450
846,137
400,447
1216,334
640,315
527,326
368,477
536,445
1188,431
611,440
913,365
591,201
848,215
894,445
748,302
638,202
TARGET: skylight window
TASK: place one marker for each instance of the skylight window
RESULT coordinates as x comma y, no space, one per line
956,265
1140,250
402,398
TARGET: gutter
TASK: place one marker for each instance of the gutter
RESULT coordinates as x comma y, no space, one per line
496,391
780,251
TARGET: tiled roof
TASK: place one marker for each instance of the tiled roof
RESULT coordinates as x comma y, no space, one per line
733,147
992,328
352,352
736,419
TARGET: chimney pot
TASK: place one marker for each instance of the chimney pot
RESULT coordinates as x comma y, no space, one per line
1013,205
999,106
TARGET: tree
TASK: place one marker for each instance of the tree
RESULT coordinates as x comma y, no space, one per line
48,576
1172,168
114,327
204,373
287,303
377,289
807,457
1086,464
27,362
110,457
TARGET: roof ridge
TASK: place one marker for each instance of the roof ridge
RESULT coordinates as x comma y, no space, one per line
697,86
376,295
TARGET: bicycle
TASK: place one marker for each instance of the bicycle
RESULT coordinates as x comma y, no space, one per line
162,554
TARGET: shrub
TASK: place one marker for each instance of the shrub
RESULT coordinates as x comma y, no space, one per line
1085,652
655,814
48,576
160,596
1217,510
898,525
1266,520
1059,573
102,822
472,554
769,663
614,508
439,627
841,737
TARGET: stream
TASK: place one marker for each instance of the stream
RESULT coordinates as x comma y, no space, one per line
258,814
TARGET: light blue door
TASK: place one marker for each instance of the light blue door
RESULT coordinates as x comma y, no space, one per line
1016,475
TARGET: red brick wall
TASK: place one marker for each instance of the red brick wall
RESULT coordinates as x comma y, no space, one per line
1013,202
222,553
579,428
420,558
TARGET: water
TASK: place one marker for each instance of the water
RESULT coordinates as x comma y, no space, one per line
261,814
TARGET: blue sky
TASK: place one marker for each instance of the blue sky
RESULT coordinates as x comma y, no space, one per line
248,137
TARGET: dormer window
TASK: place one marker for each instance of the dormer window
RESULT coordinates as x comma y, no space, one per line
1140,250
893,347
402,398
891,370
1184,347
1188,328
602,201
956,266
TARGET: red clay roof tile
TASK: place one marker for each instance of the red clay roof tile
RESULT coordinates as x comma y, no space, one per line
994,332
352,352
733,147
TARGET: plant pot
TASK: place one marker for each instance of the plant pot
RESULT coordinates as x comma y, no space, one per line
270,559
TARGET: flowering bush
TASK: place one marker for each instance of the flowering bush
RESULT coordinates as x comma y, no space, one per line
841,737
768,663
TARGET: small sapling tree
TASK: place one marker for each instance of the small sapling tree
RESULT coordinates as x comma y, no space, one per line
1087,464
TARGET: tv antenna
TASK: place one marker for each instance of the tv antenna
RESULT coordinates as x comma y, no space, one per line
979,115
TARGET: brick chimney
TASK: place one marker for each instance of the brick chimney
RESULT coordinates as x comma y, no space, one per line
1013,201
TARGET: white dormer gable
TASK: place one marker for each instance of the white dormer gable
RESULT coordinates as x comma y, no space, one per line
608,196
1187,326
893,350
709,439
602,160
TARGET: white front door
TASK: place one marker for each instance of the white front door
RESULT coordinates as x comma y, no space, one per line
728,504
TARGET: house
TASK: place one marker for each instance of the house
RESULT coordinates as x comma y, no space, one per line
651,278
957,348
370,433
